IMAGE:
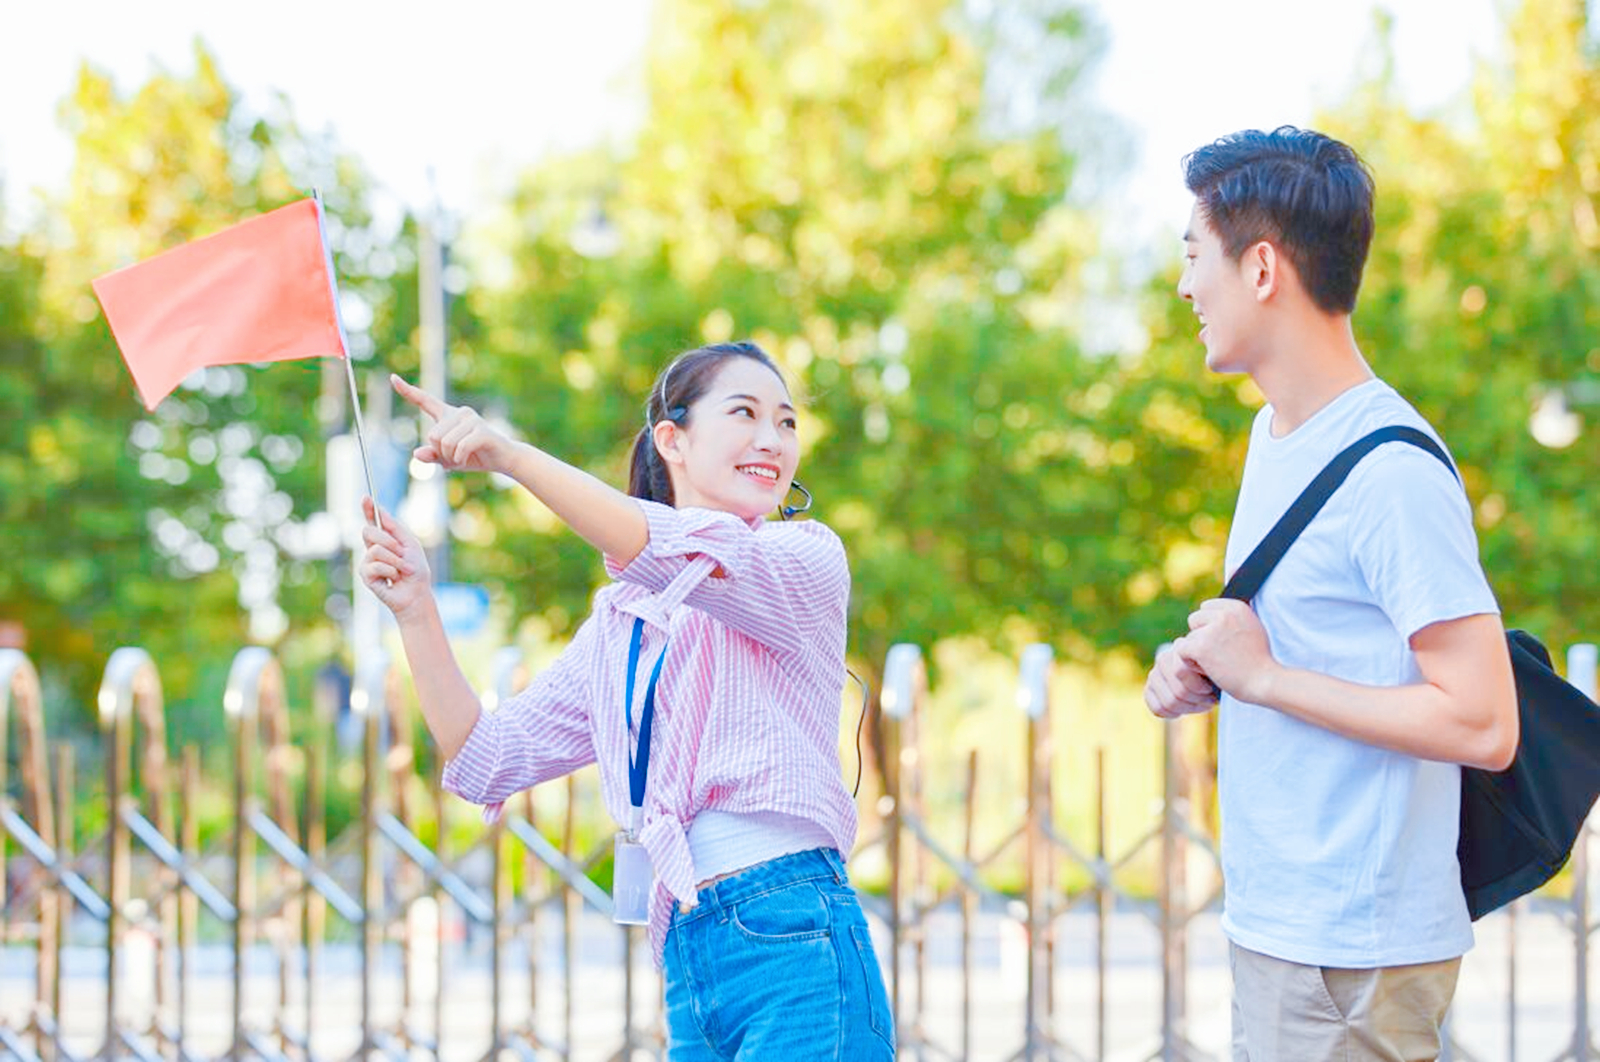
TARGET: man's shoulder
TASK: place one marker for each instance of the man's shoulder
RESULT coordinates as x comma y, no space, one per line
1380,406
1400,464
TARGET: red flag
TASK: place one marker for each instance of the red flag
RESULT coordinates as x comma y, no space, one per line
262,290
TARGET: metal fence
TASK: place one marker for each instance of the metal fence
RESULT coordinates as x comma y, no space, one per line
284,943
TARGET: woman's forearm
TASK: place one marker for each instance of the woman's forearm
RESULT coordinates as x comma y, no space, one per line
450,706
603,516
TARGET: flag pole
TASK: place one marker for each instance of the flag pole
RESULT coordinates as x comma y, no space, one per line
361,438
349,370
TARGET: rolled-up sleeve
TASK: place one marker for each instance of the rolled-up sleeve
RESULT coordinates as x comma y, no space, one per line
540,733
785,585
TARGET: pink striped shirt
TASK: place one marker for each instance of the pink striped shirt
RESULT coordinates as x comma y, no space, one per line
747,710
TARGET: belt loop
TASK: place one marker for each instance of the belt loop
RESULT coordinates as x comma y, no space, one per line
835,863
713,896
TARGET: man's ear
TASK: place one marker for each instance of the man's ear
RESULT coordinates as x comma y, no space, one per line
1263,269
665,436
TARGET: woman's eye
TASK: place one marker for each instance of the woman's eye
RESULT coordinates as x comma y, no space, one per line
745,410
790,423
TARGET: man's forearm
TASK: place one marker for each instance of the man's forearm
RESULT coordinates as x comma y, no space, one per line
1421,720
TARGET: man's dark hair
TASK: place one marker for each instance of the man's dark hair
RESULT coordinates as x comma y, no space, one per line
1306,193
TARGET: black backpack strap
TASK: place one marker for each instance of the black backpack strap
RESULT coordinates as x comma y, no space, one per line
1253,572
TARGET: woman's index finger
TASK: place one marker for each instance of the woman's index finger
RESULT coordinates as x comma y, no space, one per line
429,404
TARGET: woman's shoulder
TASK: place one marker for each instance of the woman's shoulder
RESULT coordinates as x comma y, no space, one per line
809,527
812,533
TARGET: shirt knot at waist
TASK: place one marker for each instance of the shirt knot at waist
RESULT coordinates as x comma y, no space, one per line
667,842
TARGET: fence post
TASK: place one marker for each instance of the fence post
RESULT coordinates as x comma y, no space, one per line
65,790
131,687
19,687
1511,980
254,698
1581,667
188,904
1102,903
507,674
1033,697
1174,879
904,679
969,902
369,701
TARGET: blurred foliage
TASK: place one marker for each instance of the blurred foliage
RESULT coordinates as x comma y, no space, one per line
167,529
896,198
910,252
1483,299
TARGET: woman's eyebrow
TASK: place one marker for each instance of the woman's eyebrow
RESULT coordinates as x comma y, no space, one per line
757,401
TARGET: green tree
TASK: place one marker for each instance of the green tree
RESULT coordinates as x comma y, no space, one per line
169,529
844,183
1481,300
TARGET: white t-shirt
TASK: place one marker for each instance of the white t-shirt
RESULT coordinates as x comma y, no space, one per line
1334,852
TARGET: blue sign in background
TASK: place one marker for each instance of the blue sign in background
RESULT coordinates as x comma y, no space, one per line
464,607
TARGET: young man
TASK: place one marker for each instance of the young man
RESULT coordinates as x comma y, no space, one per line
1370,665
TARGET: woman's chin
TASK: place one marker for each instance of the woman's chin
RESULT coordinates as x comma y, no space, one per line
754,504
757,509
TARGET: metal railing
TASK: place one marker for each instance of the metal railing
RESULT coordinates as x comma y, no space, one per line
372,943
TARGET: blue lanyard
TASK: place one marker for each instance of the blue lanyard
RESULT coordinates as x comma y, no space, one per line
639,770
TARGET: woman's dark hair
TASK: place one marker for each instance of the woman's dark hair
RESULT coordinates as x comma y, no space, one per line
1305,192
680,385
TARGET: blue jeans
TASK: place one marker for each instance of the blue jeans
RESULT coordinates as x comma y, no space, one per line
776,963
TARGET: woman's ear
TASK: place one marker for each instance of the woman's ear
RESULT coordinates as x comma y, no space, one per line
665,437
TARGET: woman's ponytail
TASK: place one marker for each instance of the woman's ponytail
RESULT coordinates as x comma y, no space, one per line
647,473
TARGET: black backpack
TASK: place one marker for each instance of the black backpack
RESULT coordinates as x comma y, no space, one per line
1518,826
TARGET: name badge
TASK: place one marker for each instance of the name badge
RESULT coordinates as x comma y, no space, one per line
632,881
633,878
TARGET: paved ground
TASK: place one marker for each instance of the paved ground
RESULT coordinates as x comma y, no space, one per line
1545,980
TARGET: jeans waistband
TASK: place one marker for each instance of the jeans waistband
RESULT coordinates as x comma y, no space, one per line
789,869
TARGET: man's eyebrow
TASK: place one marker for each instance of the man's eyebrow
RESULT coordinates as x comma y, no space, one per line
757,401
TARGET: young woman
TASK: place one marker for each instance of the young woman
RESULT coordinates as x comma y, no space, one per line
705,682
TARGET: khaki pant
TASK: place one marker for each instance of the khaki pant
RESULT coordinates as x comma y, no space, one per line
1286,1012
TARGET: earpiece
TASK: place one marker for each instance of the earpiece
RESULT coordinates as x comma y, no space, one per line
677,413
795,510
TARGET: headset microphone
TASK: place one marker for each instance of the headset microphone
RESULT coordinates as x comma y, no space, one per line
795,510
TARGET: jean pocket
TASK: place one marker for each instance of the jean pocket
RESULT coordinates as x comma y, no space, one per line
791,913
877,999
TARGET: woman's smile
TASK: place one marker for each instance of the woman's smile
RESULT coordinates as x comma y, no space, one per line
765,474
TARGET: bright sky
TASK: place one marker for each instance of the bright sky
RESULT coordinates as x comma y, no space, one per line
472,90
1182,73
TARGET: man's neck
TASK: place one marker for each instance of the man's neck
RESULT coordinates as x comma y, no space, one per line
1304,373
